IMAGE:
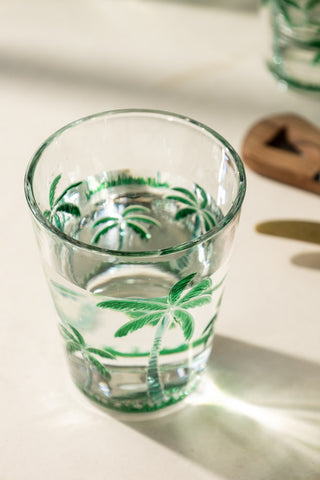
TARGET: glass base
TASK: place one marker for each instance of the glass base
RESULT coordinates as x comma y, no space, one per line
128,391
294,35
291,82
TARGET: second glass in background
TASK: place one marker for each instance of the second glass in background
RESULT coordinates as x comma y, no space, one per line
294,42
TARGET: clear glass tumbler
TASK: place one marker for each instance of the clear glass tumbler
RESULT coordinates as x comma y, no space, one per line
294,27
135,213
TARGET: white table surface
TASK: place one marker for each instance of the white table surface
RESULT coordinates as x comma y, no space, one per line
260,419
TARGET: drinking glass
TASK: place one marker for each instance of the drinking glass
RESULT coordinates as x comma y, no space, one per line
294,54
135,213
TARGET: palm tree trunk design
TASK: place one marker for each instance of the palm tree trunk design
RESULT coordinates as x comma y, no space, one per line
161,312
155,387
121,237
88,382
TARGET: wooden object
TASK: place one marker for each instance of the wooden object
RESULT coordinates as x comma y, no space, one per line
285,148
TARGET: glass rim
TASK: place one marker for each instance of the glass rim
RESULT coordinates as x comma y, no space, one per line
230,215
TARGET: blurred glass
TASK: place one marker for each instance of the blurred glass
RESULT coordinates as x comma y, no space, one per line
294,43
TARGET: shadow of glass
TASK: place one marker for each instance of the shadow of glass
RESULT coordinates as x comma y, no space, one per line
305,231
307,260
255,416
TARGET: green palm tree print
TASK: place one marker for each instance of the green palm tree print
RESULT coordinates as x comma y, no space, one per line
302,14
76,343
162,313
194,204
133,217
288,9
58,206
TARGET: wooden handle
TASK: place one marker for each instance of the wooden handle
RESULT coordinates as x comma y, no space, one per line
285,148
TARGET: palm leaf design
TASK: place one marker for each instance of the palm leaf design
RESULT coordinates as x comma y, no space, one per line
288,6
52,190
67,292
58,206
194,204
124,179
311,4
133,217
208,330
291,3
284,7
316,59
162,313
76,343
